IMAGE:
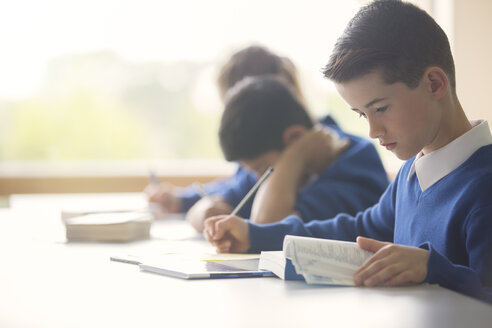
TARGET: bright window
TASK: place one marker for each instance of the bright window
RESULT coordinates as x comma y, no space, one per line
135,80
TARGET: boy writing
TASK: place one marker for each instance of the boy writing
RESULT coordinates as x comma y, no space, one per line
316,173
394,67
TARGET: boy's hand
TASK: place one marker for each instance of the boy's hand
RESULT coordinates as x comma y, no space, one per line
163,196
229,234
206,207
391,265
318,147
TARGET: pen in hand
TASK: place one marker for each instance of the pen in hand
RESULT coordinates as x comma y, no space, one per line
252,191
153,179
248,195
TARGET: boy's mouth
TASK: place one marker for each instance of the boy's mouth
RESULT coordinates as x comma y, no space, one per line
389,146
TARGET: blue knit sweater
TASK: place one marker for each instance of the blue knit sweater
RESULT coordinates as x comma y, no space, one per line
452,219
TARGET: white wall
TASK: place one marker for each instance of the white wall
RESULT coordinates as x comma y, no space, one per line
473,56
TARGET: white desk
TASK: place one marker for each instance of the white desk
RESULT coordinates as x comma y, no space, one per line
45,282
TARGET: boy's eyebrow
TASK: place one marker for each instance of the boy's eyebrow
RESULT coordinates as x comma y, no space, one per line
372,102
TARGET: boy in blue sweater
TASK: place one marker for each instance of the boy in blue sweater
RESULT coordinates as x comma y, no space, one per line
318,169
394,67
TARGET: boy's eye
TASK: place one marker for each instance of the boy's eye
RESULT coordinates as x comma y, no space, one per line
381,109
362,115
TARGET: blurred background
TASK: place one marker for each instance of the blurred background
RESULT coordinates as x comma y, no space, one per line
112,88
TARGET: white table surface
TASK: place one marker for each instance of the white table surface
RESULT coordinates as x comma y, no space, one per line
47,282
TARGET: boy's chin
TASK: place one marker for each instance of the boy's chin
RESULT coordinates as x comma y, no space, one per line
404,156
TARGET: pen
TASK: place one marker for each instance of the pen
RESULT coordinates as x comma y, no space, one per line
252,191
201,189
153,179
154,208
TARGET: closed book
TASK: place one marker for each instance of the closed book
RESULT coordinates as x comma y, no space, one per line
109,226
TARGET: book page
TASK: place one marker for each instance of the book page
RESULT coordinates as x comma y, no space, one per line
324,260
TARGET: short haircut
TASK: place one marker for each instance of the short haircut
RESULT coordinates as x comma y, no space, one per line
257,61
257,112
397,38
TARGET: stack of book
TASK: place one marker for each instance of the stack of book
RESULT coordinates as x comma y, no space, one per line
107,226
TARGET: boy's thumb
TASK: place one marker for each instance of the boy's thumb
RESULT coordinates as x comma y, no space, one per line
369,244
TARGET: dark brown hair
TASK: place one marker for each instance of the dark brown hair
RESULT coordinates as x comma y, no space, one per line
258,110
396,37
256,61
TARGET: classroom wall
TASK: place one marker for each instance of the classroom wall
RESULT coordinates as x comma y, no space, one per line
473,56
104,176
90,184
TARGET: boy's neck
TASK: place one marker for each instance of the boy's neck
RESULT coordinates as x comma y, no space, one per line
454,124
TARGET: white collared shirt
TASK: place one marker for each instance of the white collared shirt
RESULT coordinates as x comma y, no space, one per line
439,163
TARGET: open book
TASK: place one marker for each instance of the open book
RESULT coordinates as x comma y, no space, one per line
319,261
281,266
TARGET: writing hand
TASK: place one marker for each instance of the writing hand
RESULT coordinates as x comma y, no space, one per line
229,234
162,195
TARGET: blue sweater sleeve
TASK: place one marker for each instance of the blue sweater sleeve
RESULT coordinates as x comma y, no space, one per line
476,279
189,196
227,188
232,190
375,222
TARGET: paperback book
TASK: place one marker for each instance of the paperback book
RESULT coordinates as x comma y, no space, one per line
318,261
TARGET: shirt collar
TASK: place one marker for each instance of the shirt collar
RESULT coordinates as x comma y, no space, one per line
439,163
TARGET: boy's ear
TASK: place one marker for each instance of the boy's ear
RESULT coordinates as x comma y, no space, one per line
437,82
292,133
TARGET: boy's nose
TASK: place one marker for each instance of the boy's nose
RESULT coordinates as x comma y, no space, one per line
375,130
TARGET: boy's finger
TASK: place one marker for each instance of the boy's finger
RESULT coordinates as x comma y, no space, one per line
224,246
222,226
401,279
369,244
209,224
207,235
223,250
381,275
208,228
372,266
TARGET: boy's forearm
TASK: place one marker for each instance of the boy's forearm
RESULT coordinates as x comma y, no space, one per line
277,197
270,237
